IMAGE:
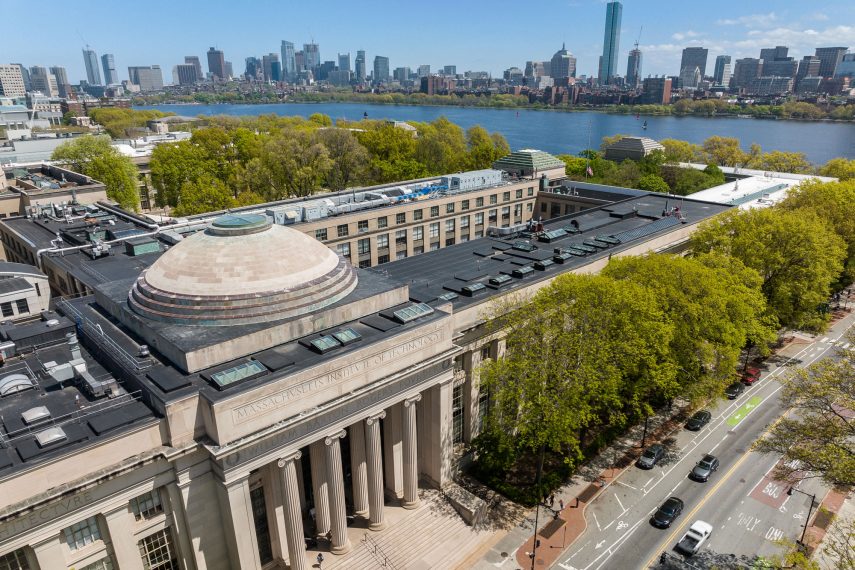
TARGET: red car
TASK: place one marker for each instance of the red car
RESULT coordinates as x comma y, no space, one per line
750,376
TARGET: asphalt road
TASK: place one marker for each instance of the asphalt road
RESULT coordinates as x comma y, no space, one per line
747,508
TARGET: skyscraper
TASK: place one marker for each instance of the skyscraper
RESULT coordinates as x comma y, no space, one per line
611,43
360,66
745,70
271,66
829,59
93,75
721,74
424,70
695,57
43,81
253,72
777,53
344,62
25,73
149,78
381,69
563,64
217,64
312,53
63,85
808,67
289,63
633,68
186,73
194,61
111,77
449,70
11,81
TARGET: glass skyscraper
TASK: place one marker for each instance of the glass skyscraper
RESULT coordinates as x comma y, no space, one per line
611,43
289,61
93,74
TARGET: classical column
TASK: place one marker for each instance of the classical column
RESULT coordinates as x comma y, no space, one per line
238,523
319,485
374,451
50,553
411,463
358,469
335,487
120,524
293,515
176,507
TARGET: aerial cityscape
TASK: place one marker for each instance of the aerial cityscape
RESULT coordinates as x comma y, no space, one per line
462,286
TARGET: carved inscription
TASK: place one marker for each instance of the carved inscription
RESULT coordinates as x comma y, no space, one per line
49,513
275,401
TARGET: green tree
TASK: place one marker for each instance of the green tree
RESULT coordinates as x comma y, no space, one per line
298,163
441,146
585,351
724,151
320,119
689,180
174,164
349,158
797,255
818,438
575,165
839,168
680,151
608,141
94,157
653,183
779,161
204,195
392,153
708,335
484,149
248,198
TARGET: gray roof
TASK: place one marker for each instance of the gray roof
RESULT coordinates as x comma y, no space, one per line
10,268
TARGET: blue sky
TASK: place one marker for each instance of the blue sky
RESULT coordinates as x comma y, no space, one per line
476,35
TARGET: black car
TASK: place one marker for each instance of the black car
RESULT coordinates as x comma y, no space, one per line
734,390
667,513
704,468
651,456
698,420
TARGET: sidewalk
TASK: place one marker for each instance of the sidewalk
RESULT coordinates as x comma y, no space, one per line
559,528
835,506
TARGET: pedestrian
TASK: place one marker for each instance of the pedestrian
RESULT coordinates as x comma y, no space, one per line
561,503
552,501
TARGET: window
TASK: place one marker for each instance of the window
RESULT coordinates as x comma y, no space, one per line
506,196
517,210
7,309
493,215
146,506
262,530
15,560
401,218
401,255
382,241
342,230
457,414
529,207
23,306
382,222
485,352
479,233
363,246
418,249
83,533
449,241
519,193
382,259
494,198
555,210
321,235
531,191
418,233
479,202
464,222
157,552
434,211
506,212
543,207
434,246
483,406
479,219
464,237
362,226
434,230
103,564
449,208
417,215
363,263
401,237
449,225
464,205
343,249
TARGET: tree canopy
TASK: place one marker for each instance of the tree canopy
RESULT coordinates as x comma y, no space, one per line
94,157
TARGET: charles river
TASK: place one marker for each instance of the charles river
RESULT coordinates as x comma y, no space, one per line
563,132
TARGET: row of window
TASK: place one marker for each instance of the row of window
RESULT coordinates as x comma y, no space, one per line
363,246
22,305
343,230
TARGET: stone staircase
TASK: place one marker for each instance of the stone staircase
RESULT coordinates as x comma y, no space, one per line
432,536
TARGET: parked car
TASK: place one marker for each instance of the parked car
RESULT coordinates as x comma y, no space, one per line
694,538
667,513
734,390
651,456
704,468
698,420
751,375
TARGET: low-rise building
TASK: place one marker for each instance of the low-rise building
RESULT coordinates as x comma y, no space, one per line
632,148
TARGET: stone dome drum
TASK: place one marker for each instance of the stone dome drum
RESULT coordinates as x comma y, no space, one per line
241,270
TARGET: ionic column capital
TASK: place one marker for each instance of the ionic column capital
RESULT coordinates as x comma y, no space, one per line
328,440
412,400
289,458
371,420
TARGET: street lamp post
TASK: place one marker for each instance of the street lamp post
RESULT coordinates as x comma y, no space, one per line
810,509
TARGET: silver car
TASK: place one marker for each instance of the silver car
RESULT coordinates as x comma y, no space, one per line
704,468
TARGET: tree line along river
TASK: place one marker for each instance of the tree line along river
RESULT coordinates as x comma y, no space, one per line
570,132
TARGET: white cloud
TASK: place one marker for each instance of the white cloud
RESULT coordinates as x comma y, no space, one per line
680,36
751,20
819,17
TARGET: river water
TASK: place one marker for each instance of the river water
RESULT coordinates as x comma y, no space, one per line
562,132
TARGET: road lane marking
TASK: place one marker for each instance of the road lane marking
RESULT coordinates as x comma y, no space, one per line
626,485
743,411
621,504
593,514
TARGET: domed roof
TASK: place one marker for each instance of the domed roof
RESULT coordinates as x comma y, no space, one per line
242,269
